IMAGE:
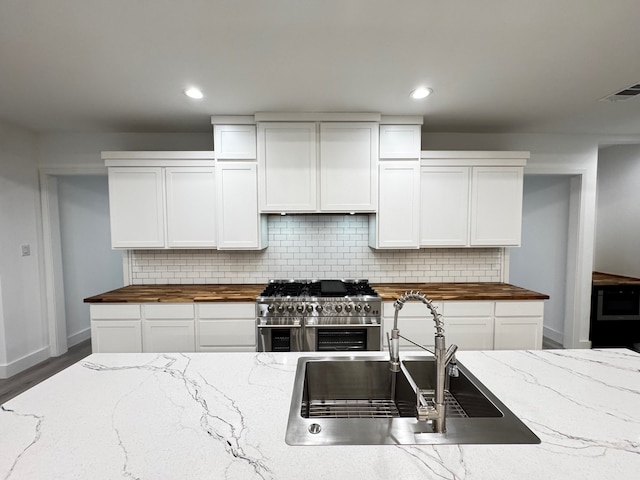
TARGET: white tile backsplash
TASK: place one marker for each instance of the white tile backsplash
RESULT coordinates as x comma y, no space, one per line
317,246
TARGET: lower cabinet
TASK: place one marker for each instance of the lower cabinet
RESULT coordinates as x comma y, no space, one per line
518,325
173,327
116,328
168,328
472,325
227,327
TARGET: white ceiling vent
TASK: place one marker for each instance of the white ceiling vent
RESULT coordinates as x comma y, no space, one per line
625,94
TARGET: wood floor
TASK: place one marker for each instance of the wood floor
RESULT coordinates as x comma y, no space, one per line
22,381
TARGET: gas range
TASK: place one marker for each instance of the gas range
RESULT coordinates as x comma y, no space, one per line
322,298
318,315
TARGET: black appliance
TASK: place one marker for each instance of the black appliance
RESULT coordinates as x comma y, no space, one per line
615,316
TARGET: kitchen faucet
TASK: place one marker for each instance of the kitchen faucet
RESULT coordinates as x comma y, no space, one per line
445,359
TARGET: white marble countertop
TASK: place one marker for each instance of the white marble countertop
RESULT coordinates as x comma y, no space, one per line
224,416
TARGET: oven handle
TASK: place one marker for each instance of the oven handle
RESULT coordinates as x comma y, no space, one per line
280,326
346,325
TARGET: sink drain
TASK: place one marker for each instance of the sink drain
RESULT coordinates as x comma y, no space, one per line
314,428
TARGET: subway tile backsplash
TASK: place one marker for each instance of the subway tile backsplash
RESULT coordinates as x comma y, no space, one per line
316,246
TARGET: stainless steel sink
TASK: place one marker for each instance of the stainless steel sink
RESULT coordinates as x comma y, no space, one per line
359,401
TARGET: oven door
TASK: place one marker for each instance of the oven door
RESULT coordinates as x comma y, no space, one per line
618,303
279,337
342,337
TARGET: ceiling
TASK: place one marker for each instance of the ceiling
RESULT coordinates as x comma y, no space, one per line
493,65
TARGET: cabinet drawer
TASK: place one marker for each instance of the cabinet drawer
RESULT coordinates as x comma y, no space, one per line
467,309
227,310
410,309
115,312
519,308
216,333
169,311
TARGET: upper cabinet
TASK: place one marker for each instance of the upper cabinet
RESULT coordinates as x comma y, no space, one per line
153,204
348,167
316,166
400,141
471,199
288,161
234,137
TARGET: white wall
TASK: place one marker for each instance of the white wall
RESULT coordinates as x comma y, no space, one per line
552,154
618,222
88,262
540,263
23,329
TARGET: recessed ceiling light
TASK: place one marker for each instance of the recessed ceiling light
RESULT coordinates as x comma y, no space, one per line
420,93
194,93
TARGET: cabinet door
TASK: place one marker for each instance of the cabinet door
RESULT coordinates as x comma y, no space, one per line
235,142
444,206
348,167
287,157
518,325
470,333
496,200
237,212
398,218
116,336
136,207
400,141
191,207
169,336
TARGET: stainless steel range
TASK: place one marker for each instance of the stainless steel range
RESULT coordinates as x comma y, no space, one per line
318,315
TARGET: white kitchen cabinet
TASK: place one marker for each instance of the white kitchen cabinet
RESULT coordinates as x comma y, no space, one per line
518,325
168,328
496,206
116,328
397,223
288,163
469,324
444,206
225,327
400,141
348,166
136,207
161,199
191,207
471,199
240,226
234,142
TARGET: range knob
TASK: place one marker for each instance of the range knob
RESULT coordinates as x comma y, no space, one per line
309,308
338,308
300,308
367,308
319,308
289,308
348,308
271,308
358,308
280,308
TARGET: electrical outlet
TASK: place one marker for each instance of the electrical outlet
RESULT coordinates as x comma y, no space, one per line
26,250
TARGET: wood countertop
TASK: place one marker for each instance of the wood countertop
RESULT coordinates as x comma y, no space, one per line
602,279
180,294
459,291
248,293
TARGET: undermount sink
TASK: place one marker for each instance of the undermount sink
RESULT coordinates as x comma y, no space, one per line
359,401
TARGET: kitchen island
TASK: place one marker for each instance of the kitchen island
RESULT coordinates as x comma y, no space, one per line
224,415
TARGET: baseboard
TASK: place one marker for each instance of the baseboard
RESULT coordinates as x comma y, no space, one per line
552,334
10,369
79,337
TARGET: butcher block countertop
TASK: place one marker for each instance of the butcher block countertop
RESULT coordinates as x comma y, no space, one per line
180,294
248,293
459,291
602,279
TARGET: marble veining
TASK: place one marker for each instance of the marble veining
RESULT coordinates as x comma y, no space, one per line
224,415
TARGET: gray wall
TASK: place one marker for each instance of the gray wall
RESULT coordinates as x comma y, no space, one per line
89,264
540,263
618,215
